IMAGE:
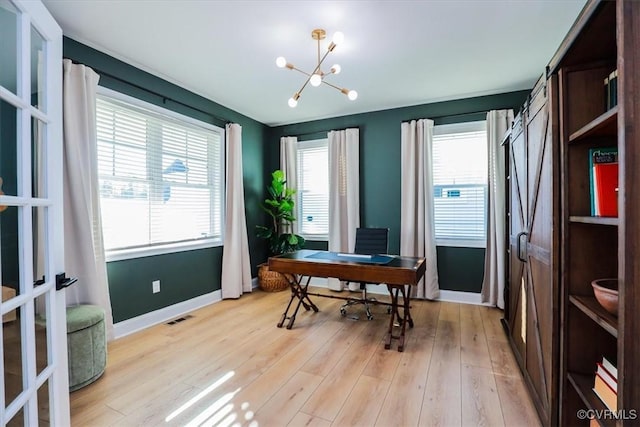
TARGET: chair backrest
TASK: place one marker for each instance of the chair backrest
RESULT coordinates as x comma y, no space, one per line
372,241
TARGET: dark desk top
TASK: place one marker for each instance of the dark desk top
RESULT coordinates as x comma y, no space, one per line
400,270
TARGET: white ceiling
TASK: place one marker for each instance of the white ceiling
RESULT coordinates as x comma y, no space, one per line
395,53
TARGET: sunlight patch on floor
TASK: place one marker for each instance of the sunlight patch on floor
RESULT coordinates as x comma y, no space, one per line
200,395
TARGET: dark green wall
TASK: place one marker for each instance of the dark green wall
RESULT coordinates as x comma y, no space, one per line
182,275
458,268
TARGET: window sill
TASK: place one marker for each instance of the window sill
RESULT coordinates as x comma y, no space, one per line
462,243
124,254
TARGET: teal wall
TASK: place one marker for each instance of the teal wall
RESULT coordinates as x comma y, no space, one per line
182,275
458,268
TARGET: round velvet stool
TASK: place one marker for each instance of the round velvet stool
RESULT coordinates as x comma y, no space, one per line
86,344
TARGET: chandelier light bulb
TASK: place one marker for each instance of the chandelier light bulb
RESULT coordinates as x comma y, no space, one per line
315,80
281,62
292,103
335,69
338,37
352,95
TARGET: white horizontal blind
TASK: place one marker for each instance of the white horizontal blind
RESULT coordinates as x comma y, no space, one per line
313,189
160,177
460,184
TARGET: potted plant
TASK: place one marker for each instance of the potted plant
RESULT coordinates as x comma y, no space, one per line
279,234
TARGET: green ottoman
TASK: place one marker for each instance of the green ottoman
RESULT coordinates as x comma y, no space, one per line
86,345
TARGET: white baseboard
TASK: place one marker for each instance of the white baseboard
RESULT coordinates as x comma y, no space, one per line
135,324
460,297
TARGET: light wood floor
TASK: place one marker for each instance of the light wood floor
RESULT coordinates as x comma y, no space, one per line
230,365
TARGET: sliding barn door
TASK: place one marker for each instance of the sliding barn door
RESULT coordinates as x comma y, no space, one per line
533,234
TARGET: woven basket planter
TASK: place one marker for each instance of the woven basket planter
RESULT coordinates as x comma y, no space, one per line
271,281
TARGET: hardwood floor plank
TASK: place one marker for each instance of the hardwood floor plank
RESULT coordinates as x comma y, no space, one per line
269,382
517,407
480,398
285,404
491,321
503,361
305,420
364,402
329,397
403,402
473,344
442,403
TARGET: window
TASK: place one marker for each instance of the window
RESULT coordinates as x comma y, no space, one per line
460,184
160,178
313,189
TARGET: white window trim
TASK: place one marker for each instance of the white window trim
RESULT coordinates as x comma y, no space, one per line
173,247
474,126
312,143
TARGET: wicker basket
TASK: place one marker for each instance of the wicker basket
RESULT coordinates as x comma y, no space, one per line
271,281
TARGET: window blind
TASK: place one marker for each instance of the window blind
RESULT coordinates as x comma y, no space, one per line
460,185
313,189
160,177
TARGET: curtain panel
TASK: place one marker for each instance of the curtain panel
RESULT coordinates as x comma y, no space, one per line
84,255
493,283
417,225
344,195
236,264
288,164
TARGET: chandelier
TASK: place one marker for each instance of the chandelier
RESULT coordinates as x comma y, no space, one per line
317,76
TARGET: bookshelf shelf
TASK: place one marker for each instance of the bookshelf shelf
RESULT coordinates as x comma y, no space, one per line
583,384
604,125
597,220
591,307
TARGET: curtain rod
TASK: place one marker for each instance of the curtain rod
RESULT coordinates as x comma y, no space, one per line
319,131
159,95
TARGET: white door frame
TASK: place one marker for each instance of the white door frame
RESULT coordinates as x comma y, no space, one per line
55,374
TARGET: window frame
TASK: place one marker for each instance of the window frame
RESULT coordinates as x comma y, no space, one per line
454,128
176,246
312,143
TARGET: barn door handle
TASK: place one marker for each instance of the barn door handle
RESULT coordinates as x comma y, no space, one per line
522,251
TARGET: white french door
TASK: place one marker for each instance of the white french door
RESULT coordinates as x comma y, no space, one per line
33,360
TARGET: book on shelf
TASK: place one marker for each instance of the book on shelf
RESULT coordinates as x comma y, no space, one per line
605,393
607,377
603,180
610,368
611,90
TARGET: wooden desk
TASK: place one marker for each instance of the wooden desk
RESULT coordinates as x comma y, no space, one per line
395,271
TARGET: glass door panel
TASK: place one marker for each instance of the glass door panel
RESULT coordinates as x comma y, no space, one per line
8,46
38,76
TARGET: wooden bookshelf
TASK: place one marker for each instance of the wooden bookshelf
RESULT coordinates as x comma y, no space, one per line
604,38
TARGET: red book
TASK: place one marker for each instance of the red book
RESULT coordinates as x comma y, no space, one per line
605,182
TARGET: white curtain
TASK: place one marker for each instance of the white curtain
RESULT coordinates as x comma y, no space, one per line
236,265
417,225
344,195
288,164
83,243
498,121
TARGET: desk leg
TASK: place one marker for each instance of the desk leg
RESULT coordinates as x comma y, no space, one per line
300,292
395,291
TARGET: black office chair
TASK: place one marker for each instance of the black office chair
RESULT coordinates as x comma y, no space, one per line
369,241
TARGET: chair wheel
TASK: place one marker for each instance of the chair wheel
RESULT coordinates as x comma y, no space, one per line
343,312
369,317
